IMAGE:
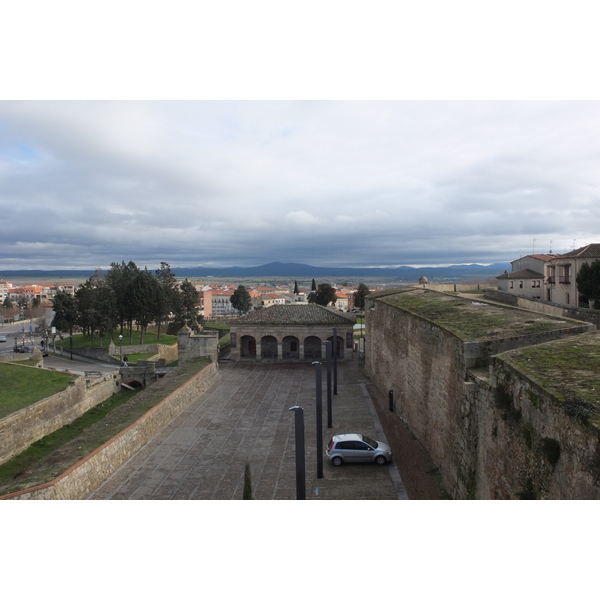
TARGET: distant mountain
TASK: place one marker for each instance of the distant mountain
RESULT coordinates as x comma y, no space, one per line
296,270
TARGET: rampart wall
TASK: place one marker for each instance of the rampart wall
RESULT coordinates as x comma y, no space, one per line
83,478
492,432
21,429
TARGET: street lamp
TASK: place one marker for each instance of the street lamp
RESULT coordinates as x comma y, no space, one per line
300,461
319,421
121,348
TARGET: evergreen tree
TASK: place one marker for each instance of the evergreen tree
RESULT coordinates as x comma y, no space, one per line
588,281
359,295
240,299
313,287
296,287
65,314
247,495
189,299
324,296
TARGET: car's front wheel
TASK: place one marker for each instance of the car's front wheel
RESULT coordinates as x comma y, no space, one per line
337,461
381,460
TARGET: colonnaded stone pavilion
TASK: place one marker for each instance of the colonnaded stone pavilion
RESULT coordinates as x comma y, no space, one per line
291,333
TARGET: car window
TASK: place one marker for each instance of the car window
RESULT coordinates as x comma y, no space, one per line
362,446
369,441
344,445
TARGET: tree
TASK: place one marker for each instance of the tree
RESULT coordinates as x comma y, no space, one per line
240,299
296,287
359,295
168,294
324,296
189,299
588,281
66,314
247,493
145,300
313,286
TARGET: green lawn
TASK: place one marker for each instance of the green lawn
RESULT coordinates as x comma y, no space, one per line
22,387
85,341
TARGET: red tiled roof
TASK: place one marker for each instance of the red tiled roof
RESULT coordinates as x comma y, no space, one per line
306,314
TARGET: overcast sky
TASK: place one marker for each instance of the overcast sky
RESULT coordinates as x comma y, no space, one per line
83,184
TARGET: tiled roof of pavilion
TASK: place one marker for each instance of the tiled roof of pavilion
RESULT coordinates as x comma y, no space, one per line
306,314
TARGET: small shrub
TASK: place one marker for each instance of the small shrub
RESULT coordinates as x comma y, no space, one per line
580,409
528,492
247,483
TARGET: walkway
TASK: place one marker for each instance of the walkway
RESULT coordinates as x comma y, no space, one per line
245,416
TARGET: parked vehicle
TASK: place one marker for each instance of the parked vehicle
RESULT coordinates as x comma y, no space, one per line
2,338
355,447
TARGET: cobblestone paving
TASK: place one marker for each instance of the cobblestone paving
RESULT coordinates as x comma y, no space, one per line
244,416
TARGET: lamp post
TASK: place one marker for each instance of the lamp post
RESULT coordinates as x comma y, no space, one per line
121,349
319,421
328,355
300,463
334,350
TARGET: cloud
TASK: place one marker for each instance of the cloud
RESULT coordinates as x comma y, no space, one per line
348,183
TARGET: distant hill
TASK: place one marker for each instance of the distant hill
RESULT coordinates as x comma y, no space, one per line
297,270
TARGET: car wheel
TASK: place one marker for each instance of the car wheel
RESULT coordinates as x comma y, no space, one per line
337,461
381,460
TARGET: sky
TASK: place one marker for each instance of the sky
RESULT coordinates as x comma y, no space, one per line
347,183
378,150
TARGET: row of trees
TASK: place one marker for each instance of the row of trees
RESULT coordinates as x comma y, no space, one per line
123,296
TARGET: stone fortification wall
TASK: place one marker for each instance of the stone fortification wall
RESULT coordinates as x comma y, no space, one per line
83,478
519,441
492,431
424,366
24,427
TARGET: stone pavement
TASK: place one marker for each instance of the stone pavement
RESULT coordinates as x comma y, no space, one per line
244,416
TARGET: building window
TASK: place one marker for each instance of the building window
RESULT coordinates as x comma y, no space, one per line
512,285
520,285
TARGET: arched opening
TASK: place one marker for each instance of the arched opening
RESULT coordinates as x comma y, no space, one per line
248,347
312,348
268,347
133,384
290,347
339,347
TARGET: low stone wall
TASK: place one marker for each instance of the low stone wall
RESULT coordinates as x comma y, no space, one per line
24,427
548,308
83,478
453,287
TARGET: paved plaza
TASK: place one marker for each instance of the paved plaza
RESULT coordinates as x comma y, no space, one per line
244,417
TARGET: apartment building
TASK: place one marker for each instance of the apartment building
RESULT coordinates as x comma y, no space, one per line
562,271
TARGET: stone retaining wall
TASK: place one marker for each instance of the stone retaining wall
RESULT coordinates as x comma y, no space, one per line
21,429
82,479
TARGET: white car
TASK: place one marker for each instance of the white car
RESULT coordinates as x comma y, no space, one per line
355,447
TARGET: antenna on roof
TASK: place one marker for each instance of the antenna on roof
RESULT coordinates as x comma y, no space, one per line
533,249
573,248
550,247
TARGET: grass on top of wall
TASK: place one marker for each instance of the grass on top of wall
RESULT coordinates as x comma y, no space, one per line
22,386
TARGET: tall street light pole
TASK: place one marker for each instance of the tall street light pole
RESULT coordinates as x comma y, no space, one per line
329,408
319,421
334,349
300,461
